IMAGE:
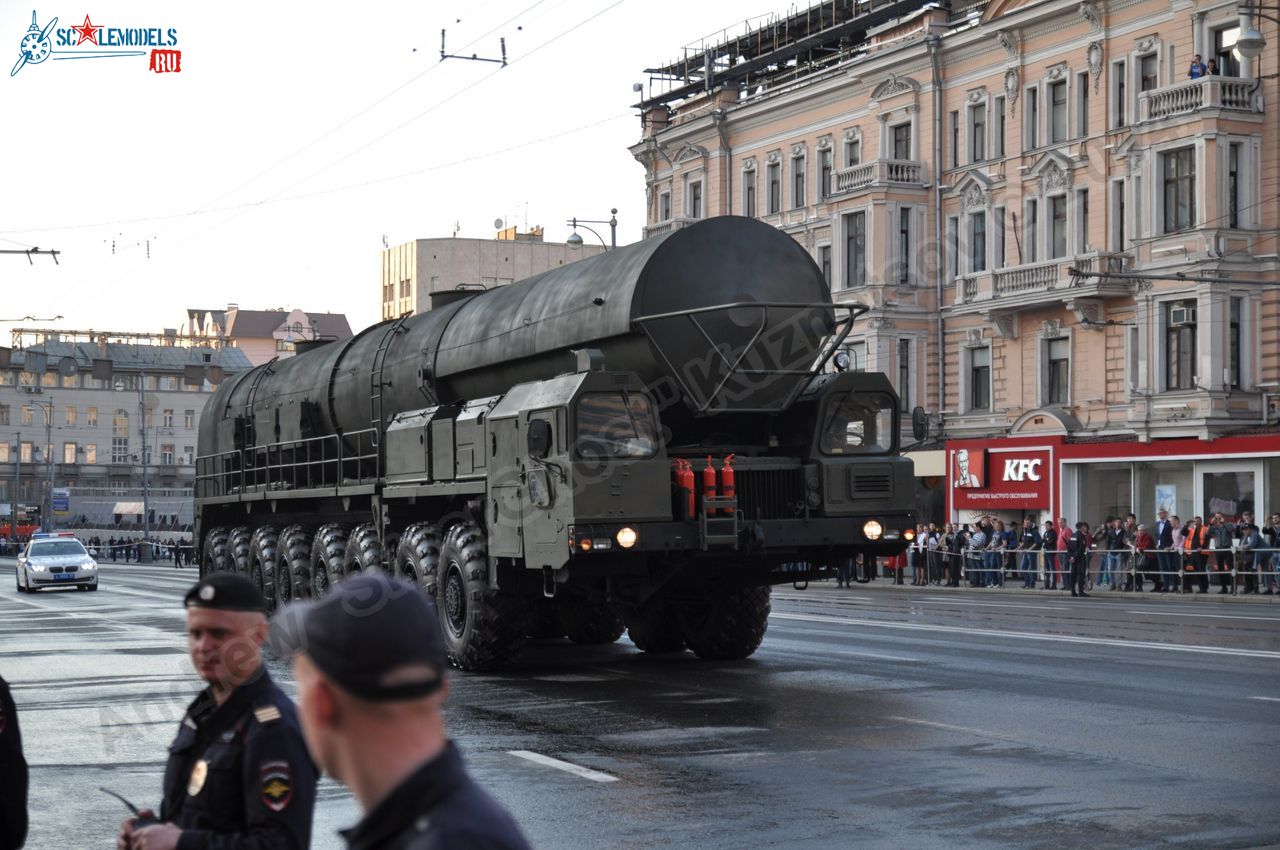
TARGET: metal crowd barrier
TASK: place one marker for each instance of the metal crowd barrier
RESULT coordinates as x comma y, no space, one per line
1233,569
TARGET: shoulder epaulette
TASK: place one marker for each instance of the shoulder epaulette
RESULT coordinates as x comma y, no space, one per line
266,713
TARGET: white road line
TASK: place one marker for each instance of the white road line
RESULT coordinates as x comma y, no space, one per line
1267,699
1209,616
984,733
567,767
801,596
997,633
992,604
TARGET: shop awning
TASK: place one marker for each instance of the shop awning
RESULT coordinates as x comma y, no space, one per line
127,508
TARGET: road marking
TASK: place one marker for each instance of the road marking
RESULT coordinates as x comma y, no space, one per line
567,767
801,596
993,604
953,728
996,633
1267,699
1209,616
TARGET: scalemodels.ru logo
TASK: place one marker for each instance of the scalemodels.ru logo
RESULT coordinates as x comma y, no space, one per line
79,42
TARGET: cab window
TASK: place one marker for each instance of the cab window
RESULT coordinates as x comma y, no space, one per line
857,423
616,425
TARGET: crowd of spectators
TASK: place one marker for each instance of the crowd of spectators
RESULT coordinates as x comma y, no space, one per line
1120,554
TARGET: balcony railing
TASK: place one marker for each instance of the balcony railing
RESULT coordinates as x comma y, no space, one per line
1031,279
877,172
1190,96
660,227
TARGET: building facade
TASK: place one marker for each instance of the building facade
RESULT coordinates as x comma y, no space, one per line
263,334
412,271
1064,238
75,412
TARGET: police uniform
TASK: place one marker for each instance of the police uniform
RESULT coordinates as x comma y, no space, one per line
238,774
1078,553
13,775
378,638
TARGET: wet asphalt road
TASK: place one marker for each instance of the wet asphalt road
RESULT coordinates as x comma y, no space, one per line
872,717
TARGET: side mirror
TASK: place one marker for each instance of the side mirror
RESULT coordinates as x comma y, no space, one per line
539,438
919,424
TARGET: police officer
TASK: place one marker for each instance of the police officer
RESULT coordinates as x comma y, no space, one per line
1078,555
369,661
13,775
238,774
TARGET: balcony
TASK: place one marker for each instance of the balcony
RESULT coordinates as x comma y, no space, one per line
1035,284
660,227
878,173
1232,94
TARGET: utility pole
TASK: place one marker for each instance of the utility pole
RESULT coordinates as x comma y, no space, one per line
144,552
46,510
17,476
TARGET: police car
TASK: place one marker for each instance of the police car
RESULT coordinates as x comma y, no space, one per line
56,560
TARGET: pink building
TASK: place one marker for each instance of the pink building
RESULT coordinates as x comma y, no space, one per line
1062,228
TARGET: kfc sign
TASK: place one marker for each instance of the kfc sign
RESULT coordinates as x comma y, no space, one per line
1001,479
1022,469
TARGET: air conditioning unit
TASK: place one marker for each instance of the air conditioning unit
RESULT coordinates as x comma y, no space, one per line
1182,315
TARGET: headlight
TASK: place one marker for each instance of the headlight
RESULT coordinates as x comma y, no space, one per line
89,565
909,534
872,529
627,537
37,567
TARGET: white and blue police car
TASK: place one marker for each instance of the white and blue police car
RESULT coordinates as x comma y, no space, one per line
56,560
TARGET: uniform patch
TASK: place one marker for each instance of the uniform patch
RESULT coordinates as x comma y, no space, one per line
198,774
207,593
277,785
227,737
267,713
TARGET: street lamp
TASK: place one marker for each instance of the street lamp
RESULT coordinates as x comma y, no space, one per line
1250,42
575,239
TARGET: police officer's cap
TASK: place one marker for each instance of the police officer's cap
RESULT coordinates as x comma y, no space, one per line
225,592
376,637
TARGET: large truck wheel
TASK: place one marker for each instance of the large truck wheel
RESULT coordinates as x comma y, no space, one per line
364,551
327,556
263,567
215,555
728,627
482,628
589,622
418,556
654,629
294,581
240,544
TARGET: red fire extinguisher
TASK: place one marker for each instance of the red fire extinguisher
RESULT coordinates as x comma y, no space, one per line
685,492
727,490
708,484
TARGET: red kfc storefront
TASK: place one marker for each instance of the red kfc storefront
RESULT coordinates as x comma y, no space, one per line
1009,477
1089,479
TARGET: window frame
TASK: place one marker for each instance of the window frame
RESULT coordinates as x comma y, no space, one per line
1183,183
855,241
976,383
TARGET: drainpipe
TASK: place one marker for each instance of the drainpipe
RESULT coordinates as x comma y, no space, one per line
726,154
933,41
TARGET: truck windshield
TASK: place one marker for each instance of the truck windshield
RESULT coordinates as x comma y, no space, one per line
616,425
857,423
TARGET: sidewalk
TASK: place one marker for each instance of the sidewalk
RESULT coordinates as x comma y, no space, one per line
1014,590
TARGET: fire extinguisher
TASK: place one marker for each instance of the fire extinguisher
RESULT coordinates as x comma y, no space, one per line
685,487
708,484
727,490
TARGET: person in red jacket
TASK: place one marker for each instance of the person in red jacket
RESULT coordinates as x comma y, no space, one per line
1196,556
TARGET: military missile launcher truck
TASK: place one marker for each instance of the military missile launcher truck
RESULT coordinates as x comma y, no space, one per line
647,439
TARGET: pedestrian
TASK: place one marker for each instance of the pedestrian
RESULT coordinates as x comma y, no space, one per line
933,547
1064,537
1144,560
957,553
1048,545
1197,69
1211,70
1078,558
1030,547
1163,538
1221,534
13,775
238,773
977,556
1271,536
111,544
370,665
996,545
1196,553
1248,556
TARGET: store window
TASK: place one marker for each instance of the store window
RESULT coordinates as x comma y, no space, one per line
1164,484
1229,493
1105,489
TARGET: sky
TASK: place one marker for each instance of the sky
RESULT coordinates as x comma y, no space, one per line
297,137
